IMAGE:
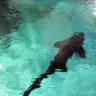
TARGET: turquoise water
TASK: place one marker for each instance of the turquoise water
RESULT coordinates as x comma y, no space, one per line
31,50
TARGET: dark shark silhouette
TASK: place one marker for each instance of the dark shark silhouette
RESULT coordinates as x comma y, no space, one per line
67,49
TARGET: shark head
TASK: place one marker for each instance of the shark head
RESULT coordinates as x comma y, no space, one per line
73,43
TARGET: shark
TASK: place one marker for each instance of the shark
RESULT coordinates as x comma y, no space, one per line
67,48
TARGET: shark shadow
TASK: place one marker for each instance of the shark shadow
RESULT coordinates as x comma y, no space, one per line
66,49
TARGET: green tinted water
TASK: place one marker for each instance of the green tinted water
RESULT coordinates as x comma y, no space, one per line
31,49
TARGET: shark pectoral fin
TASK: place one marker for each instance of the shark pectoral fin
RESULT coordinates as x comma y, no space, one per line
81,52
58,44
62,44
